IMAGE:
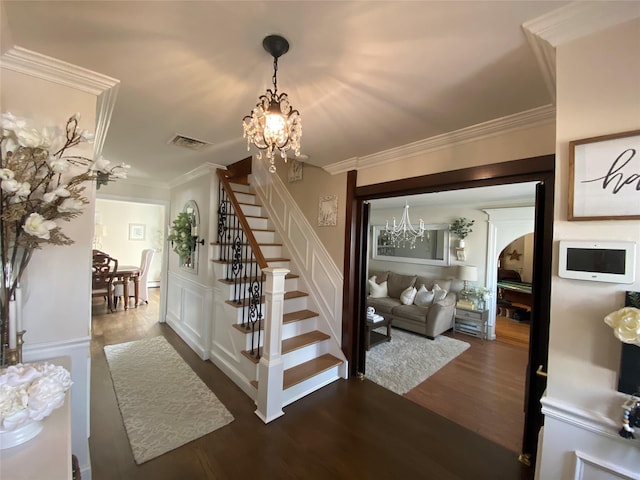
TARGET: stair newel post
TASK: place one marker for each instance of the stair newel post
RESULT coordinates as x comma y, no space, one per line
271,366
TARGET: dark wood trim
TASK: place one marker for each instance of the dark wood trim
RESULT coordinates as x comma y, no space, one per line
350,328
239,171
515,171
540,169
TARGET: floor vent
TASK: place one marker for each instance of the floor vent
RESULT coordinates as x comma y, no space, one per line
187,142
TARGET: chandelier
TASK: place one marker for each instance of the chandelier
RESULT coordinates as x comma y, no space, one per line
273,124
404,233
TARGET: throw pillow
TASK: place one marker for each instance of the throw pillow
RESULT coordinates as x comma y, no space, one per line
377,291
424,297
408,295
438,293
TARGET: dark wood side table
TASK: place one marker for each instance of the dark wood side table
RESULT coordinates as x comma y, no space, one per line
373,338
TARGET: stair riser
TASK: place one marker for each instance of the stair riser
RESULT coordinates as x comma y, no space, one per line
269,251
258,222
255,210
265,237
310,385
290,305
245,197
301,355
239,187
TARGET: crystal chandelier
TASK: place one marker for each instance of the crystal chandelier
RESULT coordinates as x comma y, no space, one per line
404,233
273,123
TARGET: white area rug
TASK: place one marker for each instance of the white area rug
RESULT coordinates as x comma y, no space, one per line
408,359
163,402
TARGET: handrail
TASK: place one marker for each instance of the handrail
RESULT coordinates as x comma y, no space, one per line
242,219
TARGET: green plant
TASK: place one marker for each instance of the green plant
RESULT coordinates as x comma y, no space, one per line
183,242
461,227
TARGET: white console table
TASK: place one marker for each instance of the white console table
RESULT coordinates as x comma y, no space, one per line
46,456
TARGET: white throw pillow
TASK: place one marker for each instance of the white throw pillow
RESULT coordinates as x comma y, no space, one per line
377,291
408,295
424,297
438,293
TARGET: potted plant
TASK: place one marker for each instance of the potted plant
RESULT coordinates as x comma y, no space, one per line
461,228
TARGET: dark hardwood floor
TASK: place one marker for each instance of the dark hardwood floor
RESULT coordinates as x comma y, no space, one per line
351,429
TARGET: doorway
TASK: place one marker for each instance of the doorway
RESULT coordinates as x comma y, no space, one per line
540,169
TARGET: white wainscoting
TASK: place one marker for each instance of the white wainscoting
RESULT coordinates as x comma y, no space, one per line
79,354
579,444
189,312
319,275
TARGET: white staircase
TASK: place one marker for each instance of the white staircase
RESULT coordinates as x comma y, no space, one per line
310,355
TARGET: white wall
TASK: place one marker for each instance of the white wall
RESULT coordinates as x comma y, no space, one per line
598,92
116,216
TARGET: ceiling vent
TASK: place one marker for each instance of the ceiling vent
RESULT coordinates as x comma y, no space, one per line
187,142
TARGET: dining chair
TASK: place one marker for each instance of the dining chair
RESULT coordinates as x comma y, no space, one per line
104,268
143,279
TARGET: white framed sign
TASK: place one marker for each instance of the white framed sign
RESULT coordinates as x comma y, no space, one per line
604,177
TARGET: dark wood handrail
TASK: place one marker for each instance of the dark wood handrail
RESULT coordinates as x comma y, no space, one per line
257,251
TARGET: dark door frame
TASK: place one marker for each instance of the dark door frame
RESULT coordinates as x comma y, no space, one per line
540,169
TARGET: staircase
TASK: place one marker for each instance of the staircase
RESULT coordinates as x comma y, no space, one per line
305,355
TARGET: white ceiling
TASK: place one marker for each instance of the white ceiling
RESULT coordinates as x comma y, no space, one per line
366,76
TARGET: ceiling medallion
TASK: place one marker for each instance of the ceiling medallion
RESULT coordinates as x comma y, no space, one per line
273,124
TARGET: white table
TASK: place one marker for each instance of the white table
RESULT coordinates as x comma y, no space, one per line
47,456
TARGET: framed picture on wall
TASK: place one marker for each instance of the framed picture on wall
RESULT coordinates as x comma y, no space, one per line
136,231
604,177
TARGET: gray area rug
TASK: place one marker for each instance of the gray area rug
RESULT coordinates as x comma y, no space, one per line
163,402
408,359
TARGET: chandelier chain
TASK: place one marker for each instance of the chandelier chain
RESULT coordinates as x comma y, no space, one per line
275,75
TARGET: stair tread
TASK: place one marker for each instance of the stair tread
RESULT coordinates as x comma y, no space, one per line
294,343
304,371
287,296
286,318
288,276
224,244
275,259
253,229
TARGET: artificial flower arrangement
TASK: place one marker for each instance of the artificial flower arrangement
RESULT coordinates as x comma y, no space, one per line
461,227
30,393
181,237
40,184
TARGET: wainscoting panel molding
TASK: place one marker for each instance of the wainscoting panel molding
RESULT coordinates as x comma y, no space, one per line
189,312
589,467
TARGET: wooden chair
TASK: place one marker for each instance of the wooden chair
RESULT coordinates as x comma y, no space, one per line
104,269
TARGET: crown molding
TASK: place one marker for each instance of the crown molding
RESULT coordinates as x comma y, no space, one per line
579,19
206,168
519,121
105,88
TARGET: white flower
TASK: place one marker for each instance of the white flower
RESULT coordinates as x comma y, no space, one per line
6,174
626,324
12,400
45,395
10,122
101,164
28,137
23,190
10,185
61,191
37,226
19,374
58,165
70,205
53,138
86,136
76,116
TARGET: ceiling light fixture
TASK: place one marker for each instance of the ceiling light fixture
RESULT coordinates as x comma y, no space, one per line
273,124
404,233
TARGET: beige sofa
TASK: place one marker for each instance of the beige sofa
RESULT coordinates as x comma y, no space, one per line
430,320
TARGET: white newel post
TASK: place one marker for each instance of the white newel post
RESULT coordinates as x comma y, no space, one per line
271,369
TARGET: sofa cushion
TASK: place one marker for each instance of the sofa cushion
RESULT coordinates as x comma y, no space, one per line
380,275
383,305
407,297
377,291
438,293
413,312
424,297
397,283
430,282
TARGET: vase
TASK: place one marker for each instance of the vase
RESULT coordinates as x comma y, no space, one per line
461,243
12,438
